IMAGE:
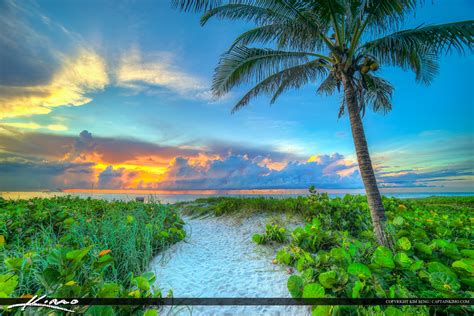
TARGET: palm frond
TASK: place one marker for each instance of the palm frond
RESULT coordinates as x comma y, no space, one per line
329,84
195,5
248,12
243,64
285,34
383,15
418,49
375,92
434,38
276,84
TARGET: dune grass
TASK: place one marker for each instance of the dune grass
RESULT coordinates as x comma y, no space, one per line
72,247
334,252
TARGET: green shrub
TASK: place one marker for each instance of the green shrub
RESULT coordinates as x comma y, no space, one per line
71,247
336,255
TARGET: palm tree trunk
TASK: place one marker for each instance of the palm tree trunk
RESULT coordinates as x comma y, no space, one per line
374,199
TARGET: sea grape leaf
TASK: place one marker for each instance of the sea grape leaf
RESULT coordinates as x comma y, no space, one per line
284,257
313,290
398,221
13,264
404,244
150,276
322,310
295,286
358,286
398,290
463,243
445,282
360,270
68,221
467,280
77,255
464,266
300,264
258,239
417,265
393,311
8,283
468,253
109,290
151,312
402,260
423,249
340,255
447,248
142,283
100,311
383,257
435,266
328,279
308,275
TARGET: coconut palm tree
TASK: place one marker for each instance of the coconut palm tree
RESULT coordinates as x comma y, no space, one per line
339,44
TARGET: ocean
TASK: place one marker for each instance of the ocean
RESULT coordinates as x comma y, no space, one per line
175,196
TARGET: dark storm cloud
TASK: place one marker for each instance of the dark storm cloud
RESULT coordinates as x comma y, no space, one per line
240,172
413,178
111,179
35,160
111,150
21,174
25,56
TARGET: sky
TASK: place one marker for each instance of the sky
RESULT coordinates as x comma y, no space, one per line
116,95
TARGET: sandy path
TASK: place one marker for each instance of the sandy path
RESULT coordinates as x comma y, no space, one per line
218,259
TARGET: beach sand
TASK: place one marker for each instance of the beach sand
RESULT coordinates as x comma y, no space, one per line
219,259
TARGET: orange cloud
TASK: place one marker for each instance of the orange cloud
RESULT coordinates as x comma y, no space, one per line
32,125
273,165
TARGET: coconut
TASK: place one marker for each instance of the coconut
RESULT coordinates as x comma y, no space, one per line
374,66
364,69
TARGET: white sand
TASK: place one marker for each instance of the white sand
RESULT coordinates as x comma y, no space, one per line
219,259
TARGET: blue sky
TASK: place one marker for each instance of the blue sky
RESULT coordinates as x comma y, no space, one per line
141,78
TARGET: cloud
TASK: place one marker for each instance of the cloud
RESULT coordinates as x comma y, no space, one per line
240,172
32,125
111,179
159,69
79,75
87,161
429,178
85,146
19,174
37,73
25,58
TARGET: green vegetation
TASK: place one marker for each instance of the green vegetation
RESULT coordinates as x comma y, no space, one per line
241,206
338,45
335,252
71,247
272,233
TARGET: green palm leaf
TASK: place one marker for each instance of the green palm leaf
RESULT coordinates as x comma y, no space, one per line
377,93
418,48
248,12
195,5
243,64
287,34
292,77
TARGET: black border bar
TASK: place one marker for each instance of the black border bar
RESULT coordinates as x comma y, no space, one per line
248,301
